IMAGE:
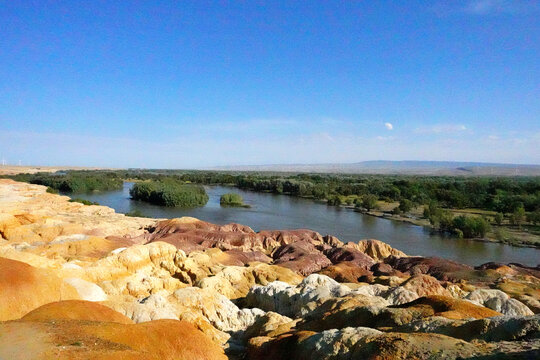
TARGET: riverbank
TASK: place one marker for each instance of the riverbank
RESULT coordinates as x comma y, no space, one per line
510,193
99,284
512,236
15,169
505,234
272,211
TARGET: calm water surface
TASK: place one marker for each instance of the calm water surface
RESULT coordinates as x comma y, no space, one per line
271,211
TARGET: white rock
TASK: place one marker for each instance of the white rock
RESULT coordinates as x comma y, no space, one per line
334,343
498,301
87,290
154,307
118,251
70,265
69,238
400,295
219,311
372,290
291,300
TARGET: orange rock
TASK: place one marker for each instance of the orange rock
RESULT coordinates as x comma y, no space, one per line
346,272
451,308
425,285
91,248
24,288
76,310
375,249
77,340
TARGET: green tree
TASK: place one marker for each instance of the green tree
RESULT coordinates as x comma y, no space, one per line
431,208
335,200
405,205
499,217
169,192
470,226
369,202
518,216
231,199
534,217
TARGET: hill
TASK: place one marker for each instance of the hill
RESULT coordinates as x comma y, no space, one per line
410,167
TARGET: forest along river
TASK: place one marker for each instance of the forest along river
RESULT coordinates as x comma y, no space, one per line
278,212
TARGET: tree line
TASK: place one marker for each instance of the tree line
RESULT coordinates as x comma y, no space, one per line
514,198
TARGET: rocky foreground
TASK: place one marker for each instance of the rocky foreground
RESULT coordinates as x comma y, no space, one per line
79,282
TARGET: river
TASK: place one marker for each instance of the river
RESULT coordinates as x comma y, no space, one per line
271,211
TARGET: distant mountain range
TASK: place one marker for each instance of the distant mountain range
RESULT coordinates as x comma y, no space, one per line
410,167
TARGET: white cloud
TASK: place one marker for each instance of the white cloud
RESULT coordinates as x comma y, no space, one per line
441,129
388,126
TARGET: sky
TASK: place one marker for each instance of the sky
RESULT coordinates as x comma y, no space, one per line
194,84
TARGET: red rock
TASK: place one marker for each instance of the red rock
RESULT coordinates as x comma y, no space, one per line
352,256
382,269
442,269
302,257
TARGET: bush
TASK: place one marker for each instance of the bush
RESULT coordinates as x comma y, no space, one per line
405,205
169,193
534,217
470,226
231,199
499,217
135,213
73,182
335,200
518,216
430,209
369,201
83,201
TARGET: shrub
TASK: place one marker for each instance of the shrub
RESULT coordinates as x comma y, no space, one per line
169,193
430,209
335,200
369,201
518,216
83,201
231,199
405,205
470,226
499,217
73,182
534,217
135,213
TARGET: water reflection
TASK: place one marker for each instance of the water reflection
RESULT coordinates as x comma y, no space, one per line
270,211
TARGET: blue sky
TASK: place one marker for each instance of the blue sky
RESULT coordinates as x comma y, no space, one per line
183,84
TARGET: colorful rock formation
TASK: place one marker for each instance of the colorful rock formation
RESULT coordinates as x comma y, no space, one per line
81,282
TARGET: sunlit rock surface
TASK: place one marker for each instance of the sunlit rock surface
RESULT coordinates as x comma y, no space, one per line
80,282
